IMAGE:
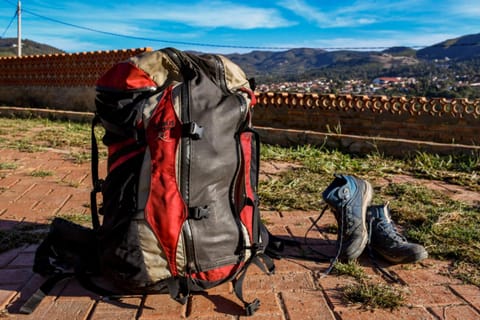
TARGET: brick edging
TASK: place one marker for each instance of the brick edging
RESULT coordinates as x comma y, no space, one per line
360,144
46,113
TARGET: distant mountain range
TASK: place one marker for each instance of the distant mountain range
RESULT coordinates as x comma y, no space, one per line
308,62
281,64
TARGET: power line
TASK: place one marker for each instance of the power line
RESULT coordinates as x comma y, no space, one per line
215,45
200,44
9,24
151,39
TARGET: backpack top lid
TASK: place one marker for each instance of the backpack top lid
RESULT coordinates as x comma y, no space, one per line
148,70
153,69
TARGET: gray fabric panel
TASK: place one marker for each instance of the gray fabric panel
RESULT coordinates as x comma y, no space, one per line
144,181
214,162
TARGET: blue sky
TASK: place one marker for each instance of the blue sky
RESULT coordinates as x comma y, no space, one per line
227,26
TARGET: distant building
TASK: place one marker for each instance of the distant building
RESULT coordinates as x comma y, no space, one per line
387,80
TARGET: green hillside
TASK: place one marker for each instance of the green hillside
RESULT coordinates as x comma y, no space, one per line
8,47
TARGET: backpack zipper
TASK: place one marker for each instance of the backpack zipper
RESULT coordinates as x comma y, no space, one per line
185,154
237,194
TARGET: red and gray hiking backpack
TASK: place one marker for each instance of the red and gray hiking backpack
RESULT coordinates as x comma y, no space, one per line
179,210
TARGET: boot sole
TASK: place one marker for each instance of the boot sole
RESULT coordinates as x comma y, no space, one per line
413,258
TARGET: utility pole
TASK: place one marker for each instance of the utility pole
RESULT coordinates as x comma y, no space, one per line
19,29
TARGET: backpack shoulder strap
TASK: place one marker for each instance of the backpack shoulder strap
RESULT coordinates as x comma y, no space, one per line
32,303
96,182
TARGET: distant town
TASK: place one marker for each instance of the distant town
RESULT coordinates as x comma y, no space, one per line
408,86
349,86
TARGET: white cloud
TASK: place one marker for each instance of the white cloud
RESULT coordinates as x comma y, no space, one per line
465,8
379,43
146,20
302,9
203,14
214,14
247,23
367,41
114,21
340,17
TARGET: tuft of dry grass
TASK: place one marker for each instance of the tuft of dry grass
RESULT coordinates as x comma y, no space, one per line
374,295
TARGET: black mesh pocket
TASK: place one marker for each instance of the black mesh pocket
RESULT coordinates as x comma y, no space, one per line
120,191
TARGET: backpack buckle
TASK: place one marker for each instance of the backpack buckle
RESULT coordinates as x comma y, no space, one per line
252,307
192,130
198,213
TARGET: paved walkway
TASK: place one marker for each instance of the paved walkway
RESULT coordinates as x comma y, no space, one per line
297,290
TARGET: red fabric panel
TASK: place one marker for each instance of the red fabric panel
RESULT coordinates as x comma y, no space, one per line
217,274
117,147
246,216
253,98
125,76
165,210
114,148
126,157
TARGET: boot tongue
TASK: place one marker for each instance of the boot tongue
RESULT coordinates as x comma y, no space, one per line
351,184
386,213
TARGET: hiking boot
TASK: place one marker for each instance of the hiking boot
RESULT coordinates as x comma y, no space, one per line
387,242
348,197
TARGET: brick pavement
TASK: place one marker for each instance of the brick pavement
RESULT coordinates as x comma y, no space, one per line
296,291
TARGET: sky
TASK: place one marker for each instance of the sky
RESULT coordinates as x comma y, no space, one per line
228,26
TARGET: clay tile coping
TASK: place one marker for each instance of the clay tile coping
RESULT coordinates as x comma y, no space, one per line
77,53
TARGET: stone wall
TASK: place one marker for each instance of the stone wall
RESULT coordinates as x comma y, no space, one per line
437,120
57,81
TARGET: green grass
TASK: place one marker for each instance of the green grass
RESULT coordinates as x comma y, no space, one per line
34,135
366,292
20,235
79,218
457,169
374,295
8,166
447,228
41,173
351,268
28,233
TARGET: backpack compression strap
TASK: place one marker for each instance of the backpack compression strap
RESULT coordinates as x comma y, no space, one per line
265,264
96,182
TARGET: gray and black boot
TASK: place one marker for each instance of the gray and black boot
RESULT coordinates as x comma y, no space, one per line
348,197
387,242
